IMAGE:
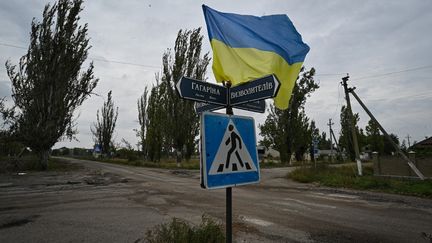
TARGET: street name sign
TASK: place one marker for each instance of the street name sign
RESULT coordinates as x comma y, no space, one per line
197,90
255,106
228,151
258,89
201,107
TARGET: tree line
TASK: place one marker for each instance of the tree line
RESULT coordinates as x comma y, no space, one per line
168,125
49,83
369,139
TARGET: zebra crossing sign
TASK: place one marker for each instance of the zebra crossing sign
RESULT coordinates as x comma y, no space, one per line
228,151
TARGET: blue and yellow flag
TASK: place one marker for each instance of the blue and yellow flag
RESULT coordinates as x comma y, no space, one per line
247,47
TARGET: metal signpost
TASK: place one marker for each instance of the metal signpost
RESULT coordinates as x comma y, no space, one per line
228,144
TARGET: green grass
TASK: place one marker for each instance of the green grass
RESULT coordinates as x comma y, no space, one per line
192,164
179,231
346,177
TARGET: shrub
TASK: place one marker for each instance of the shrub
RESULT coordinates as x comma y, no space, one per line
179,231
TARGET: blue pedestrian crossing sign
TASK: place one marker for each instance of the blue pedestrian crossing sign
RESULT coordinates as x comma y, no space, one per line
228,151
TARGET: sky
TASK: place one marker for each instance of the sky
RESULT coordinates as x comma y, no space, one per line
385,46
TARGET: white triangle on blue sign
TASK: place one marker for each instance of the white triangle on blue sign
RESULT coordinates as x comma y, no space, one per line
232,155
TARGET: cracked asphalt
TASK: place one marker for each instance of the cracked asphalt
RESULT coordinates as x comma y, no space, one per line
112,203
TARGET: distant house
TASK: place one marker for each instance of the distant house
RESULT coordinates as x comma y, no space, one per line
424,145
264,152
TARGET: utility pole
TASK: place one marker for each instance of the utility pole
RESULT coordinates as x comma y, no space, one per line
331,140
408,138
398,149
338,149
352,125
335,141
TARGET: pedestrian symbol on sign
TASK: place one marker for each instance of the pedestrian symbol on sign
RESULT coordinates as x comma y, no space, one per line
232,155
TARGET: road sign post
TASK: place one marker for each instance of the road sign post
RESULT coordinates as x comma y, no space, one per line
229,151
228,191
228,143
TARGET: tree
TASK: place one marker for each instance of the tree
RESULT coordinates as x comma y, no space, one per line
388,147
374,138
185,61
289,131
345,138
177,117
3,112
48,86
156,123
143,120
403,146
323,141
103,128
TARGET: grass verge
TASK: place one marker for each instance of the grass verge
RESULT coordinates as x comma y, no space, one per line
179,231
346,177
192,164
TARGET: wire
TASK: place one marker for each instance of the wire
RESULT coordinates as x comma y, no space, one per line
124,63
324,74
97,59
395,72
421,95
330,74
338,105
14,46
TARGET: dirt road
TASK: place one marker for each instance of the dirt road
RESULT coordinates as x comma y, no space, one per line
113,203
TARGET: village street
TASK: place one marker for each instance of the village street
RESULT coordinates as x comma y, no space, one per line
113,203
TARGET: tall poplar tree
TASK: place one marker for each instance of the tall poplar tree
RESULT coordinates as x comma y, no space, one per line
103,128
345,138
180,122
143,120
48,85
289,131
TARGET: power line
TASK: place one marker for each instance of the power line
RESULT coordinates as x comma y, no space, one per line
124,63
157,67
330,74
96,59
421,95
14,46
395,72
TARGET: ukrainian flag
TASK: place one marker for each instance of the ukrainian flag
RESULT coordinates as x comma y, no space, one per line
247,47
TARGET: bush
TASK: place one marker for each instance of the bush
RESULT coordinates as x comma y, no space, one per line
179,231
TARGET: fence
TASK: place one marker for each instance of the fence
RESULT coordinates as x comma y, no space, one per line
396,166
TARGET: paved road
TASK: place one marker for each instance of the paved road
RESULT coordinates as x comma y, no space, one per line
113,203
